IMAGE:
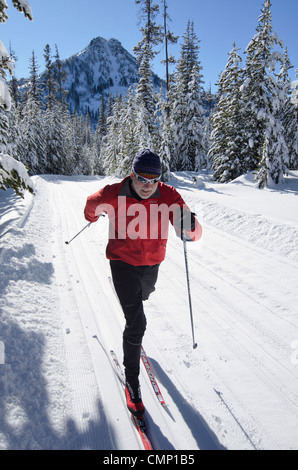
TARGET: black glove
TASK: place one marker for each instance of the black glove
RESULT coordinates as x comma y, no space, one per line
188,222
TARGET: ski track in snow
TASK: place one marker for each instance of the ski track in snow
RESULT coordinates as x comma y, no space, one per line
59,318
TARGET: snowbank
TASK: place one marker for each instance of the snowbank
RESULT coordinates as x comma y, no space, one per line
16,173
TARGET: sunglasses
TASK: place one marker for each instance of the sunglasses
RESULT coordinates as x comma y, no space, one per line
142,179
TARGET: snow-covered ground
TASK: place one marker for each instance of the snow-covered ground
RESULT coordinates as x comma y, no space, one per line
59,317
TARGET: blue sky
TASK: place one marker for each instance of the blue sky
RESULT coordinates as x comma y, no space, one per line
72,24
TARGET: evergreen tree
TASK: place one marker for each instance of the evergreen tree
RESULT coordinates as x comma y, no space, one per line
50,85
169,38
88,158
88,134
151,32
100,132
75,142
31,147
145,95
226,138
14,132
34,82
55,121
102,120
195,122
14,88
12,172
69,142
146,101
291,125
87,161
187,107
54,136
59,77
97,166
165,136
111,143
260,95
130,139
274,154
275,157
209,101
4,128
23,7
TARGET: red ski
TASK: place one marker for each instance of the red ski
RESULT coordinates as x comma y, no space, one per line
138,423
152,378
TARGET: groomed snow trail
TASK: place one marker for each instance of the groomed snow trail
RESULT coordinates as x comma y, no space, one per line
60,317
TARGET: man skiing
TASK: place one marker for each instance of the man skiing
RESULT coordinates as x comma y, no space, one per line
139,210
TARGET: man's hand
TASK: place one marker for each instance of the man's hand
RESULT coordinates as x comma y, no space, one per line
188,221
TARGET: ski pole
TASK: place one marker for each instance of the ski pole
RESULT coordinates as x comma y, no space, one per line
68,242
84,228
189,294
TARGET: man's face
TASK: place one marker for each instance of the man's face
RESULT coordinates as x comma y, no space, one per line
144,190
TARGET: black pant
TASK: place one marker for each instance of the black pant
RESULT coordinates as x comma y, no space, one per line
133,284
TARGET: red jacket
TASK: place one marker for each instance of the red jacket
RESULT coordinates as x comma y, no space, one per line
138,231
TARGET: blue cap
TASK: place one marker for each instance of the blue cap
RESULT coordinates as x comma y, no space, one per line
147,164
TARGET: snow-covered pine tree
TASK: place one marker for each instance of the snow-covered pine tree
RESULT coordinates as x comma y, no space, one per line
130,139
164,110
132,124
209,106
50,85
13,173
262,175
58,161
34,83
4,127
14,131
97,164
88,160
169,38
101,128
59,76
146,101
165,136
88,133
54,129
100,132
13,86
277,85
274,155
111,143
187,108
291,125
226,142
74,142
88,156
195,117
31,147
151,32
24,7
145,96
70,136
261,102
176,103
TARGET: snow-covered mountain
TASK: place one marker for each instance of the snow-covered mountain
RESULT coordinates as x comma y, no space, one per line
103,67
